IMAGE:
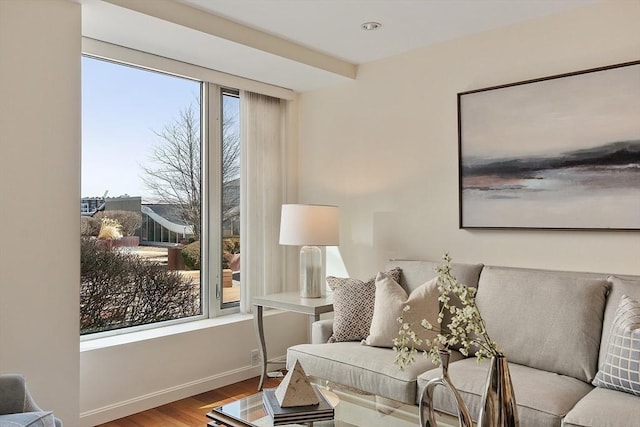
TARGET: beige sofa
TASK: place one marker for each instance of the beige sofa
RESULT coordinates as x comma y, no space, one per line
553,327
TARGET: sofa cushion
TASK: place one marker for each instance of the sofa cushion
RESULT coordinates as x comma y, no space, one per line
370,369
543,398
28,419
353,302
604,408
619,286
390,303
621,368
548,320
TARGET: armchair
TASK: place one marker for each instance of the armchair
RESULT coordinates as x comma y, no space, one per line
17,407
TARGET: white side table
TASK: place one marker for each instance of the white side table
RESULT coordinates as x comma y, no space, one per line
289,301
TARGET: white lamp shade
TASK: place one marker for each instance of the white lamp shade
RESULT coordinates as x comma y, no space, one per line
309,225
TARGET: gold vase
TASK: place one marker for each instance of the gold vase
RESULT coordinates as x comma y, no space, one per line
427,415
498,406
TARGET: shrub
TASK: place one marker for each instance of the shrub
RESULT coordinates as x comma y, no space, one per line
130,221
89,226
120,289
191,255
230,247
110,229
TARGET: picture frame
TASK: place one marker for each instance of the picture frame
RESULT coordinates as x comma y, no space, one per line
558,153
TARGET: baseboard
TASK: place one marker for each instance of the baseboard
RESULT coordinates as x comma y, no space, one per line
162,397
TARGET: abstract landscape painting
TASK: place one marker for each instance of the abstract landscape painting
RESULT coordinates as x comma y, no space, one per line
561,152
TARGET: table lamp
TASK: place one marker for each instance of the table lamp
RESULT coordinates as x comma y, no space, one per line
309,226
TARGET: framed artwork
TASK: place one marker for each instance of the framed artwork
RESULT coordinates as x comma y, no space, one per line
560,152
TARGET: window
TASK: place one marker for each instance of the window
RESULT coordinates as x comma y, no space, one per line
141,207
230,214
161,188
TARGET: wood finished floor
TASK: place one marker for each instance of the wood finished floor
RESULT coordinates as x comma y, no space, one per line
190,412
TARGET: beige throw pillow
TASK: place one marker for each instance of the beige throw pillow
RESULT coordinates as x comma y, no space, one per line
390,301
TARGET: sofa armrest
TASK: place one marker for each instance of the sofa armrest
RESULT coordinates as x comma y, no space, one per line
321,331
14,397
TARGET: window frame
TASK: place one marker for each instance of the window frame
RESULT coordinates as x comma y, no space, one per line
212,191
210,110
204,274
220,306
213,83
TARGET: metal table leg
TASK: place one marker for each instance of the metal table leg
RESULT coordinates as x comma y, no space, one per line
259,327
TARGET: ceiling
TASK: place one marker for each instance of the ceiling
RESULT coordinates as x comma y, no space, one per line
299,44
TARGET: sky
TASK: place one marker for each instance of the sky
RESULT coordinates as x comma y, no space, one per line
121,108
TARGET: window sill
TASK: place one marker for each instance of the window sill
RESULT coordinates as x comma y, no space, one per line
149,334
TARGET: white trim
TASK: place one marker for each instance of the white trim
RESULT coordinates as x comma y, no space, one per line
150,61
162,331
171,394
217,26
168,395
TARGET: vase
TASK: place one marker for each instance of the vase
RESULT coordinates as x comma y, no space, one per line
427,416
498,406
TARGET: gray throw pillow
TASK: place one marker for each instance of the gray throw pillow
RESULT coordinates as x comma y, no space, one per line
353,302
621,368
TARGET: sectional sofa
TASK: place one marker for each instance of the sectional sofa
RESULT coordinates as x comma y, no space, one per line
553,327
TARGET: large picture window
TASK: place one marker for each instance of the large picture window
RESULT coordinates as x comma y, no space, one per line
173,157
141,208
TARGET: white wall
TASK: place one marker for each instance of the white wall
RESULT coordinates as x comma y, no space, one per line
384,148
40,132
39,193
126,378
119,377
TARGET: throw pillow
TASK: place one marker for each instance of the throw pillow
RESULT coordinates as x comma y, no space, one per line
353,302
621,368
390,301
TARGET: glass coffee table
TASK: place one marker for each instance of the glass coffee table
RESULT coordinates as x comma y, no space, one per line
352,408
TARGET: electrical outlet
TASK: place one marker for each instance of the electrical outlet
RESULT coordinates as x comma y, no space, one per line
255,357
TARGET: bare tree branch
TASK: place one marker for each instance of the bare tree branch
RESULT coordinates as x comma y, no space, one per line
174,174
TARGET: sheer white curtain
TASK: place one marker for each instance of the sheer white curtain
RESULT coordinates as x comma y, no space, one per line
263,186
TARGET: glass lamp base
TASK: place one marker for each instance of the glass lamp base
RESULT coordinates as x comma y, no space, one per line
310,272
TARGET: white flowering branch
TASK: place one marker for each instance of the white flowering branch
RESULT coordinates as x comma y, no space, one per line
466,329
